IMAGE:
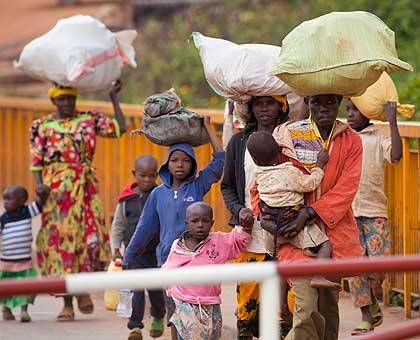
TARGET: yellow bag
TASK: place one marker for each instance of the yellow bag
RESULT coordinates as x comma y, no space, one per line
371,103
337,53
111,296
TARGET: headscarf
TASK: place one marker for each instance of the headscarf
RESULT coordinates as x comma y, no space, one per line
56,91
283,102
282,115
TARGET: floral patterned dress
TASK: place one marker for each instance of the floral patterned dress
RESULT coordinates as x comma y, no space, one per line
73,237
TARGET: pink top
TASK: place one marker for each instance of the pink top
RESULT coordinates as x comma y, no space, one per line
218,248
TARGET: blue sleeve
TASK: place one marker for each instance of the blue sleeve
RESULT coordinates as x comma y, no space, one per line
147,229
211,173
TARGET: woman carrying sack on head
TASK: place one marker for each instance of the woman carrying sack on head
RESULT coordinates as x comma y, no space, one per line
73,237
239,175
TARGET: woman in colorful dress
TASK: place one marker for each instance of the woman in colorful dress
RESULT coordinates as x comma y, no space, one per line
73,237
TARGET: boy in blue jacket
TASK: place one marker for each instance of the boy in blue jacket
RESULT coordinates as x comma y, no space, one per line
165,209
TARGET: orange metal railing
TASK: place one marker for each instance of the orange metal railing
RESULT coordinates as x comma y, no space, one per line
402,188
114,159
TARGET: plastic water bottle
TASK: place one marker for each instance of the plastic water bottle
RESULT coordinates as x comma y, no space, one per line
124,308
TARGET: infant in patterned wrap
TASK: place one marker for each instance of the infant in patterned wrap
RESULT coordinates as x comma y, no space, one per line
281,187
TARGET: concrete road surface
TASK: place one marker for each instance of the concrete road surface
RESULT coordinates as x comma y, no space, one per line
106,325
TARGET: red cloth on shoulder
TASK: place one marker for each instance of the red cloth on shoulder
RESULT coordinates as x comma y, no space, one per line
128,190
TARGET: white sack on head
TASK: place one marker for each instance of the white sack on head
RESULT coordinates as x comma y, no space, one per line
240,72
79,52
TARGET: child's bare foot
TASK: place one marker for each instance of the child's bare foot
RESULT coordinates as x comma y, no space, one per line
7,314
322,282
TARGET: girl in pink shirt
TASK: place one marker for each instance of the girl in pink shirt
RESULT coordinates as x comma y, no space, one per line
198,314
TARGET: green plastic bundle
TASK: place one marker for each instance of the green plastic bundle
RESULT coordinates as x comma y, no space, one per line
340,52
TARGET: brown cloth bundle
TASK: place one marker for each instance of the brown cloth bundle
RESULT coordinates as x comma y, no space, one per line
166,122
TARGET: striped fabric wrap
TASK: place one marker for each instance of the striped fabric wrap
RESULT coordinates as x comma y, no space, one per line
305,142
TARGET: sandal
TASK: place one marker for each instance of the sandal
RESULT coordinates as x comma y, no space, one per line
135,334
25,317
156,327
377,315
66,314
85,304
363,328
7,314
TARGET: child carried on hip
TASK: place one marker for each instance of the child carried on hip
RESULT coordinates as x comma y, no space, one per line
281,186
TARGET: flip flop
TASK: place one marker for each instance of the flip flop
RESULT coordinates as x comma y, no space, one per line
377,315
25,317
363,328
66,314
156,327
135,334
85,304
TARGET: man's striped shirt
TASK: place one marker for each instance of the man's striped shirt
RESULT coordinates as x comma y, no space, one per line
16,233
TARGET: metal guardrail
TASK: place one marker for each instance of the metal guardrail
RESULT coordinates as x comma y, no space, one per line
267,273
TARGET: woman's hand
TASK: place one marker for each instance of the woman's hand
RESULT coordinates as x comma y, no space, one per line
42,192
113,95
38,178
292,228
246,217
115,88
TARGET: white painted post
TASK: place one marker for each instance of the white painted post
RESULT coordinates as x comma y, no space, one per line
269,308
